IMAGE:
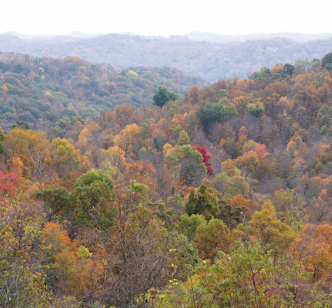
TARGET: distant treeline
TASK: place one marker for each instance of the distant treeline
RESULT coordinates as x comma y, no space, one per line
211,60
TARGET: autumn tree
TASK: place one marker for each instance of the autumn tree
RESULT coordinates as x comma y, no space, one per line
203,200
22,283
312,248
205,160
248,161
8,184
65,156
233,185
88,204
183,138
34,151
231,210
248,276
91,199
136,259
211,238
265,225
292,205
186,163
127,137
188,224
193,95
71,267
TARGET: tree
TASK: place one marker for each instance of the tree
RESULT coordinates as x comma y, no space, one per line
203,200
231,210
66,157
193,95
33,149
136,259
21,124
57,201
206,159
91,200
290,203
71,267
8,182
186,164
22,283
209,114
312,248
183,138
188,225
233,185
163,96
263,75
265,226
327,61
211,238
127,136
255,110
288,69
89,204
246,277
248,161
2,137
4,88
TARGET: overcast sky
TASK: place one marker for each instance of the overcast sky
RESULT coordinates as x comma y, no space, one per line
170,17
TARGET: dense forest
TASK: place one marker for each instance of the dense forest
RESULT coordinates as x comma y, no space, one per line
42,91
208,59
220,197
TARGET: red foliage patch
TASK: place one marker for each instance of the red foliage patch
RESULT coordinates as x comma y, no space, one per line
8,183
206,159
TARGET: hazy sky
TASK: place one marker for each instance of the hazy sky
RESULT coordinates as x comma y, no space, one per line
154,17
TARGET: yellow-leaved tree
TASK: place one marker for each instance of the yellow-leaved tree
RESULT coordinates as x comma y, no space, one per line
34,150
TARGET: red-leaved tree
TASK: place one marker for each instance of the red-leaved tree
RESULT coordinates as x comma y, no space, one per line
206,159
8,184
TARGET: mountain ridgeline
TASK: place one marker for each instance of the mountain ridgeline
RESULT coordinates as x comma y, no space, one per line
208,59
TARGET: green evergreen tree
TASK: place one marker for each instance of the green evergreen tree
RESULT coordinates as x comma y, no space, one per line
163,96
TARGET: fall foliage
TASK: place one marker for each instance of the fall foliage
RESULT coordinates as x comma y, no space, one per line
221,197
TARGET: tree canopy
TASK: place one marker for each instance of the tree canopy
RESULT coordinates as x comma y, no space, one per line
163,96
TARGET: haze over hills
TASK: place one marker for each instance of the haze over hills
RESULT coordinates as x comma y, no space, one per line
222,38
194,35
219,57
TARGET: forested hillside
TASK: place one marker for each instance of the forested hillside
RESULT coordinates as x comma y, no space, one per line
41,91
221,198
210,60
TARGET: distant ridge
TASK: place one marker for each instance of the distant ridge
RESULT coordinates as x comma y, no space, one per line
222,38
208,59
